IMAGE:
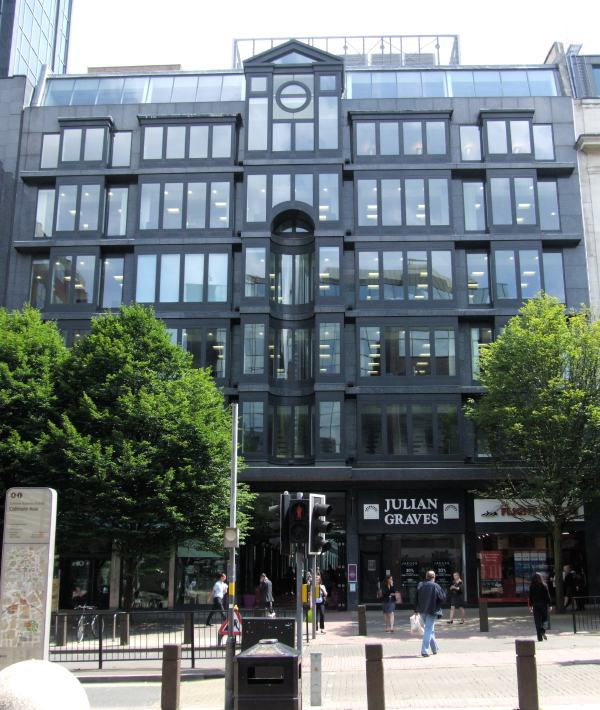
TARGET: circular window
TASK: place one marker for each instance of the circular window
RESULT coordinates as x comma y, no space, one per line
293,97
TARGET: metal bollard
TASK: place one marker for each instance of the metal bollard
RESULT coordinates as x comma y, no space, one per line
374,668
362,620
484,624
315,679
124,629
527,675
171,677
62,630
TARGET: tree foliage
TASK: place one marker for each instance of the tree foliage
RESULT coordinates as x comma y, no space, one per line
30,353
136,441
541,412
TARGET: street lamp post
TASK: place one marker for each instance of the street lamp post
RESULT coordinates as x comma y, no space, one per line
231,542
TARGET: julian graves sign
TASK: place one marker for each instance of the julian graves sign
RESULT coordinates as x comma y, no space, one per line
411,512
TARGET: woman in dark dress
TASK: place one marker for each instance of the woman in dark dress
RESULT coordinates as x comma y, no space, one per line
389,596
457,598
539,603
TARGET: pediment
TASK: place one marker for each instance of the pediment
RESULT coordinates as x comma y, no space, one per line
292,53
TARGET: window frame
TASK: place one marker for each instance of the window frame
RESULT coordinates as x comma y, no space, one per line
83,126
514,226
507,117
205,325
74,253
79,183
187,123
400,119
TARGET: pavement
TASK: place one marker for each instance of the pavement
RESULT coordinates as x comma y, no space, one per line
473,670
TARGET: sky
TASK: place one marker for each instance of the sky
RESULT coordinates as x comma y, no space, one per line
198,34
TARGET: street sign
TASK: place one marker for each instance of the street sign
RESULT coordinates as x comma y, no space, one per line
237,625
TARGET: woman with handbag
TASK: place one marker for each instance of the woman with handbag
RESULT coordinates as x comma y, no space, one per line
539,604
389,597
456,598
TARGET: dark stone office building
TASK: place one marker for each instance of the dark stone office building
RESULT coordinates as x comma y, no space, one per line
336,237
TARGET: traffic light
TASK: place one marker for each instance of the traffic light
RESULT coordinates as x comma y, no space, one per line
298,523
318,525
280,525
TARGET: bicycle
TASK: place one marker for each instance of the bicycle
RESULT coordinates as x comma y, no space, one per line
86,620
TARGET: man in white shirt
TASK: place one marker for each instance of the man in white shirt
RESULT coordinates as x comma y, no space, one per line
218,593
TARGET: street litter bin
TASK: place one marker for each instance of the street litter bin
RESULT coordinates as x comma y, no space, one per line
255,629
268,675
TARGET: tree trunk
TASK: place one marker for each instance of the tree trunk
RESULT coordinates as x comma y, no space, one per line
558,567
129,567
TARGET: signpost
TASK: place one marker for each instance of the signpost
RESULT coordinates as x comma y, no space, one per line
26,577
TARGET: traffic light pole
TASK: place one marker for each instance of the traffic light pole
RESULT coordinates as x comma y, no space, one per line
299,607
313,594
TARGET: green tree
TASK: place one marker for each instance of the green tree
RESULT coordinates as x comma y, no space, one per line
541,415
30,353
141,452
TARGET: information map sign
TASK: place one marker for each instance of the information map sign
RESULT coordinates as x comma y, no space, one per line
26,577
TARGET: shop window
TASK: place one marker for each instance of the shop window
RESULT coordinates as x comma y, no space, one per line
188,278
414,202
189,205
478,279
405,275
398,351
181,142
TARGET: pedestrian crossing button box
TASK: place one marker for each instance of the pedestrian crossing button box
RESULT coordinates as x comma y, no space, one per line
268,675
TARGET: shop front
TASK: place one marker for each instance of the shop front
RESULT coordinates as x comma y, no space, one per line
512,544
405,534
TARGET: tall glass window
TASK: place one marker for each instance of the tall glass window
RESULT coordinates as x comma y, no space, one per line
252,438
554,278
198,142
50,144
193,278
172,205
525,201
391,203
195,216
257,123
216,351
367,203
370,351
88,210
221,141
116,218
389,140
445,355
441,275
112,282
529,261
67,208
478,279
192,341
447,429
330,427
470,143
328,197
61,280
415,202
255,273
71,145
393,276
418,276
394,351
365,138
169,278
44,214
217,277
474,205
496,137
291,279
175,143
145,288
219,205
520,137
543,142
548,202
149,205
254,349
506,280
368,275
83,279
329,271
38,292
501,201
422,430
153,143
420,352
479,336
435,136
439,214
371,430
413,137
256,198
93,147
121,149
328,123
329,348
396,429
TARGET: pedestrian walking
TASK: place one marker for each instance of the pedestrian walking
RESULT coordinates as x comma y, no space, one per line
430,597
539,604
320,602
389,597
457,598
218,594
266,594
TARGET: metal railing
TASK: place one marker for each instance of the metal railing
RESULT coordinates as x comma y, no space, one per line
586,614
99,636
365,50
